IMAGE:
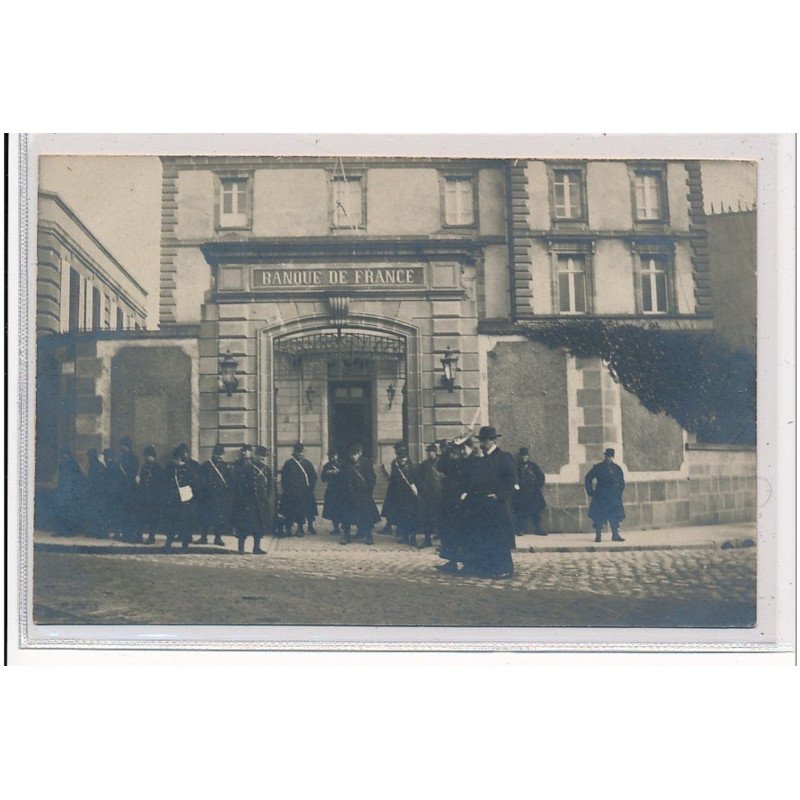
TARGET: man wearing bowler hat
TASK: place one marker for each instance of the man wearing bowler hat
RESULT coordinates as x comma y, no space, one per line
605,484
488,495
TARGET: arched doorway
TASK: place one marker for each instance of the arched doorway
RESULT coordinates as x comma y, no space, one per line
330,387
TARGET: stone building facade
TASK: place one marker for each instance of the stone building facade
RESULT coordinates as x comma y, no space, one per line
340,291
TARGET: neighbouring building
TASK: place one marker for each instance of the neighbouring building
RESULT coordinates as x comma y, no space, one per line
331,300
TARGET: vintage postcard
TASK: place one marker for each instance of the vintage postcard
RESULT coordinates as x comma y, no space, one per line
386,394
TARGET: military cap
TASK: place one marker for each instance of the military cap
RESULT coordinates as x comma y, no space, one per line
261,450
218,450
609,451
431,448
150,451
298,447
524,451
125,441
246,448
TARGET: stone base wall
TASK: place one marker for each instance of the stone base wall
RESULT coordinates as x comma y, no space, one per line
720,488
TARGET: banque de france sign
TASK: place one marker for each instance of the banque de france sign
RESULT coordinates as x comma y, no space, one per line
289,276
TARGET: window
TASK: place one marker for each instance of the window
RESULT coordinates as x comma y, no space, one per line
119,320
567,194
459,201
348,202
571,283
74,299
653,283
233,203
96,319
647,195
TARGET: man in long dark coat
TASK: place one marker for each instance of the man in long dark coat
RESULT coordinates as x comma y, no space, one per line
151,486
453,467
529,501
334,507
69,495
194,471
129,469
361,509
402,485
253,492
298,503
214,502
390,498
488,498
115,495
429,483
97,510
605,484
180,500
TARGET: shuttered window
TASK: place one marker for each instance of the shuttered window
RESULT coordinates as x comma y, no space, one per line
347,202
647,192
459,201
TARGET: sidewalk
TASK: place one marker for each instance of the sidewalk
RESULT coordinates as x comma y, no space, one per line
705,536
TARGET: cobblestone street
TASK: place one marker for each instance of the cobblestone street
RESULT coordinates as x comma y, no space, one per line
314,580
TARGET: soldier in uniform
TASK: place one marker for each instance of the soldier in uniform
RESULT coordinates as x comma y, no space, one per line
129,469
214,502
528,499
429,483
332,476
194,469
151,486
405,497
180,492
361,509
489,490
298,503
97,496
605,484
388,508
253,490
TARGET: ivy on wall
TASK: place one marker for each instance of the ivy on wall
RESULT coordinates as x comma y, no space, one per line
697,379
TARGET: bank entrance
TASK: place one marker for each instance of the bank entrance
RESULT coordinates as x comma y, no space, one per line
334,388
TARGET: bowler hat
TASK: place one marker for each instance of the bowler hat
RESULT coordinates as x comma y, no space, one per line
399,446
488,432
609,451
261,450
218,450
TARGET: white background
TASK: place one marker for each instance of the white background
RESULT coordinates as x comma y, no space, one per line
401,725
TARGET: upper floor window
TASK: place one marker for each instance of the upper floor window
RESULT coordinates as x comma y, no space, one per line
568,194
97,321
120,323
459,200
74,299
234,203
648,195
348,201
654,284
571,283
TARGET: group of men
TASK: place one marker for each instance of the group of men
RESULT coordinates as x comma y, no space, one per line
474,496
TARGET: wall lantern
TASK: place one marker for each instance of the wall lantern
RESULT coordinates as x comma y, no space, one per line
227,373
310,394
449,369
390,393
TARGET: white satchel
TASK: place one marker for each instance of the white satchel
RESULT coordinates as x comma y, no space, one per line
185,492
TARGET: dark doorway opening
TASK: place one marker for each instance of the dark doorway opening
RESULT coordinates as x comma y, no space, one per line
350,416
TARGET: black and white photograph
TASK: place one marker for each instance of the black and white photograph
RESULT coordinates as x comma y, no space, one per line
386,391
